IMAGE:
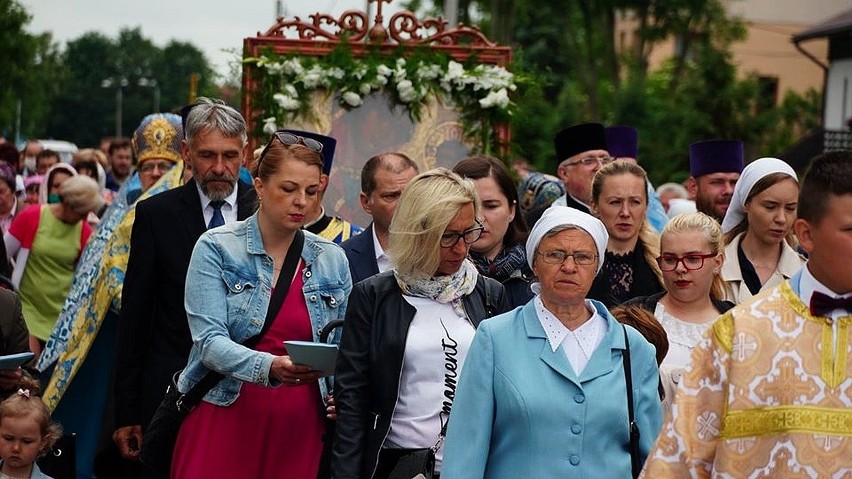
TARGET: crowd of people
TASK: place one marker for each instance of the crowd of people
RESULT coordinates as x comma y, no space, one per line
489,323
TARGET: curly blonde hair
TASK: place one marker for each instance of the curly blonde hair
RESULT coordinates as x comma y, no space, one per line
26,403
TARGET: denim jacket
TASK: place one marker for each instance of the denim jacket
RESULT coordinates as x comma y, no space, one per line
228,287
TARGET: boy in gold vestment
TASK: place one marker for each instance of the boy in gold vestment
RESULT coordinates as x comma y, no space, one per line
769,390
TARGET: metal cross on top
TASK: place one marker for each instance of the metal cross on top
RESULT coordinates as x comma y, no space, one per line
378,33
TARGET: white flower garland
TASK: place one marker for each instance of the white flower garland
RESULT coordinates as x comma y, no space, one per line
480,90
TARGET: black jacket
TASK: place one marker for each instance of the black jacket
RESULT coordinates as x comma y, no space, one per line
369,365
649,303
153,338
361,254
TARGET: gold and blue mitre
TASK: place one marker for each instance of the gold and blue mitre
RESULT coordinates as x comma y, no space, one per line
158,136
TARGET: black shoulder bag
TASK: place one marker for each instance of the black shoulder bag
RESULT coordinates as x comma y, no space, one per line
159,438
635,462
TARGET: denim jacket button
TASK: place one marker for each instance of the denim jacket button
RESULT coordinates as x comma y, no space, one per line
238,287
332,301
313,297
307,274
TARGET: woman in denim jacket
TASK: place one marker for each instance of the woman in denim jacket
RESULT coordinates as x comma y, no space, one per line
266,417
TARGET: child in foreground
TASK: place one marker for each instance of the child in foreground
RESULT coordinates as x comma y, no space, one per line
26,433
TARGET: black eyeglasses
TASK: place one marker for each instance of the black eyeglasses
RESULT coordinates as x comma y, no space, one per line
287,139
556,256
693,261
470,236
592,160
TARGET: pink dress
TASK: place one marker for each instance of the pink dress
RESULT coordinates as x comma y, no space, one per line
267,432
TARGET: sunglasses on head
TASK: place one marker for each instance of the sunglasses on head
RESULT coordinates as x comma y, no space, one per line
287,139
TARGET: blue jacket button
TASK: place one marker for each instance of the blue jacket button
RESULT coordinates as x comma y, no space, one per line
576,429
579,398
575,459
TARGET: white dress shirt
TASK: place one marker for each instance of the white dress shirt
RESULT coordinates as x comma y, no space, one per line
229,209
382,260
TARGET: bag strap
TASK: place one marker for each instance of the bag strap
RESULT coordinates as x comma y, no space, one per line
191,398
635,463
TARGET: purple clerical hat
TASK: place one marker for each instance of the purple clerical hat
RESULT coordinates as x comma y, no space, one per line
579,138
715,156
622,141
328,146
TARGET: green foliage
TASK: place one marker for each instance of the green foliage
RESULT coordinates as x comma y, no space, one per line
570,49
30,73
95,65
411,77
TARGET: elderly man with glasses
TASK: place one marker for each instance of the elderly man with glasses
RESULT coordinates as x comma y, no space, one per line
581,151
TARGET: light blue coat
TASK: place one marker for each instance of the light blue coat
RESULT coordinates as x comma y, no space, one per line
521,411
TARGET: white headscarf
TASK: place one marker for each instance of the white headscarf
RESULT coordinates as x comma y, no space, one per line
556,216
752,173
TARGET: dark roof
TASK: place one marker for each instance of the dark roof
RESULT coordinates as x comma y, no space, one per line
842,22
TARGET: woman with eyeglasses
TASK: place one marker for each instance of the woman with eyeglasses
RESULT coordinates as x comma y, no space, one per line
549,389
251,286
499,252
620,201
758,230
407,331
690,258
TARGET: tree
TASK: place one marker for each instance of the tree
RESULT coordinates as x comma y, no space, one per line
697,94
145,76
29,73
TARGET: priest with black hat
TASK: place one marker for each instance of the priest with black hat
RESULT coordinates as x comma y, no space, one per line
581,151
714,167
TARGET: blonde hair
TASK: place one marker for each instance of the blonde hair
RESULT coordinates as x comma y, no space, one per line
647,235
428,204
686,222
91,154
81,194
26,403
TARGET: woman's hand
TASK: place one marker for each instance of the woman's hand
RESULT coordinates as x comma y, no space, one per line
330,408
291,374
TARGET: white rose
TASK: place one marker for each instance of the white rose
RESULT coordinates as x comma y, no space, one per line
311,79
406,91
293,66
286,102
269,126
351,98
499,98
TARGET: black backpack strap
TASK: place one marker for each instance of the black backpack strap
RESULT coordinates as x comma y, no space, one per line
636,464
191,398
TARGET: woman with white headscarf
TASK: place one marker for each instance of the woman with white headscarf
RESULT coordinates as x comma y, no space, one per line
757,229
544,392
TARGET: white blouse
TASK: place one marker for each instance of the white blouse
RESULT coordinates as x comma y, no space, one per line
683,338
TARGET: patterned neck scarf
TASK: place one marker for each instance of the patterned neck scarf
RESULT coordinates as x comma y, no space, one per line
443,289
508,260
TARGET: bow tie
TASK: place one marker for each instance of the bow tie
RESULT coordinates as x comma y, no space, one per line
823,304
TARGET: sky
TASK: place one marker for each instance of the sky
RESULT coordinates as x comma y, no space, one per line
214,26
